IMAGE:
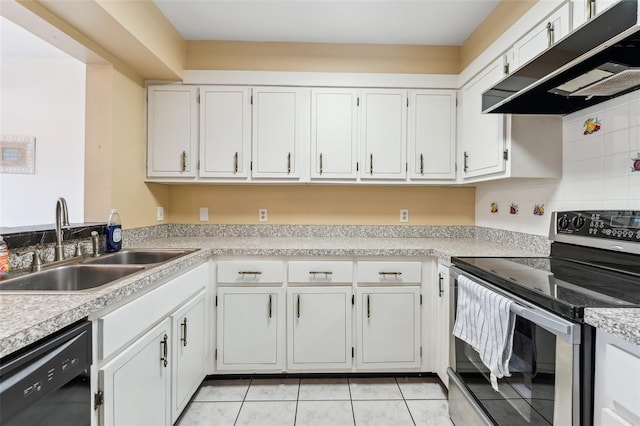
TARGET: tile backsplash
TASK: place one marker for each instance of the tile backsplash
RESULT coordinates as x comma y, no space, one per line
600,145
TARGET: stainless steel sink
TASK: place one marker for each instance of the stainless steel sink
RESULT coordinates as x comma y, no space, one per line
138,256
69,278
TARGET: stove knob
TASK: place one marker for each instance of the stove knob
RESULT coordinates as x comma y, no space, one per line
563,223
578,222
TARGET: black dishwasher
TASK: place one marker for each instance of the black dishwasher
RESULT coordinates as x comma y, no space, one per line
48,383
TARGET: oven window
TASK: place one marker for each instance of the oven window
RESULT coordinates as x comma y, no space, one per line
525,398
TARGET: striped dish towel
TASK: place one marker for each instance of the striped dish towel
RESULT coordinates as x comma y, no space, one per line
484,320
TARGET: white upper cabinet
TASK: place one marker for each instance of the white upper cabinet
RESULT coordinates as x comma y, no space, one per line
172,131
482,139
583,10
279,126
225,132
384,134
543,36
334,134
431,133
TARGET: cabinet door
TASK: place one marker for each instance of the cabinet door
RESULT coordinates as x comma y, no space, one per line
443,332
277,131
250,328
482,135
383,135
173,131
319,328
225,132
432,124
388,327
136,384
543,36
188,352
334,134
583,10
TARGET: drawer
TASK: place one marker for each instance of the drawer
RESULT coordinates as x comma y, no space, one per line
321,272
250,271
390,272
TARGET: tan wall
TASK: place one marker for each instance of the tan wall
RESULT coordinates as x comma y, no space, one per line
135,200
322,57
501,19
323,204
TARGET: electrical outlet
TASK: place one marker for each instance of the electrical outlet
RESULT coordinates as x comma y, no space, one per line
160,213
404,215
204,214
262,215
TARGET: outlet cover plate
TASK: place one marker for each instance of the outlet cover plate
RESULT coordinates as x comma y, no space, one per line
204,214
404,215
262,215
160,213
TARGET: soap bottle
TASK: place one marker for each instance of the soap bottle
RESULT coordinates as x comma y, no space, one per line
4,259
114,232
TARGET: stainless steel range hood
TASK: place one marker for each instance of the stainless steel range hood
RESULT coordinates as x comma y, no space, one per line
598,61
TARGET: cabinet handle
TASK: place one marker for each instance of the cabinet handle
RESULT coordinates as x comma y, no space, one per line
440,289
270,306
298,307
184,161
320,163
320,272
396,274
288,163
184,332
249,273
368,306
550,34
371,163
165,350
591,8
466,161
421,164
235,163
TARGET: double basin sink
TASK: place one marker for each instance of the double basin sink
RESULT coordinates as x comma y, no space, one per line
91,273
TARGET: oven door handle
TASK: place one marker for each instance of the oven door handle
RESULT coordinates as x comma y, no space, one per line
556,327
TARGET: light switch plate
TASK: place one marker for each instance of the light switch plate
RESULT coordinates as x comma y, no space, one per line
160,213
262,215
204,214
404,215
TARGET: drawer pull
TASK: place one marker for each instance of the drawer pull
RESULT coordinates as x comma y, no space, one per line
165,350
184,332
320,272
396,274
249,273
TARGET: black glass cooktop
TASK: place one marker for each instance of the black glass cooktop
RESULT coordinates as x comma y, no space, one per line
563,286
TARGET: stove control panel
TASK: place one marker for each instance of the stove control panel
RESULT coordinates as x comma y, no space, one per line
621,225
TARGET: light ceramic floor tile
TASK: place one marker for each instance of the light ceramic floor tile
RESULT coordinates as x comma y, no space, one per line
267,413
430,413
210,413
222,390
324,413
383,413
421,388
324,390
273,390
375,388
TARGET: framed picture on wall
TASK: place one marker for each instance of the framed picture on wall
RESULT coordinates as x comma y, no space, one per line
17,154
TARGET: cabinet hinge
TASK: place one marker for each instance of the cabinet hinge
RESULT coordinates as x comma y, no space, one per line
216,301
357,166
407,102
456,101
198,167
421,299
353,299
358,101
353,352
420,351
251,165
251,100
215,355
505,154
406,166
98,399
198,98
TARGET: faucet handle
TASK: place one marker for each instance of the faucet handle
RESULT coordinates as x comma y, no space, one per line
78,250
36,262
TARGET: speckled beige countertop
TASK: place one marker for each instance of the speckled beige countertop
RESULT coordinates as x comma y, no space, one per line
25,318
620,322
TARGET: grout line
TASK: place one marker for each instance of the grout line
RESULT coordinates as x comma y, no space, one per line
243,400
405,401
295,415
353,412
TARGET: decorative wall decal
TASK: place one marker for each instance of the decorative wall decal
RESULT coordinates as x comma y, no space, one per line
17,154
591,125
513,209
494,207
538,209
636,163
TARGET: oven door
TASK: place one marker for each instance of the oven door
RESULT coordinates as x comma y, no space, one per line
543,388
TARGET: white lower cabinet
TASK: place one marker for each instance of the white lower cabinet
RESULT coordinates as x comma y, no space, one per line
189,353
442,332
137,383
388,328
250,329
319,328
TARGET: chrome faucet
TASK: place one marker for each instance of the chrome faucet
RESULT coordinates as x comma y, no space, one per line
62,220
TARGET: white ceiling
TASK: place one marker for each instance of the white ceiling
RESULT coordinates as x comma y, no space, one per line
428,22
